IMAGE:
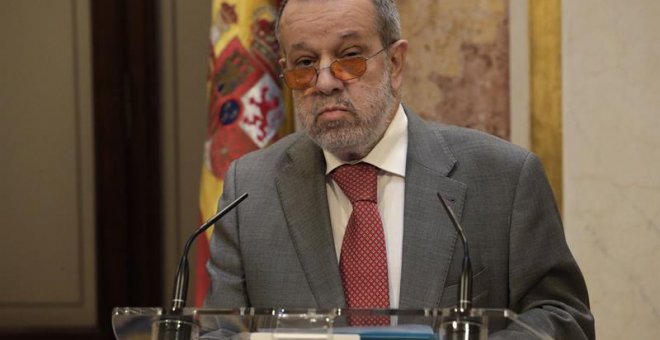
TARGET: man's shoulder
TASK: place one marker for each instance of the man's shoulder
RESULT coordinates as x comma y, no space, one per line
468,138
473,146
462,141
274,154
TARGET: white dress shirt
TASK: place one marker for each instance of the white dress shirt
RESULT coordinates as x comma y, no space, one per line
389,155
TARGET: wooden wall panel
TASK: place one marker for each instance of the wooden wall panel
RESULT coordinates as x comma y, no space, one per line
47,173
80,174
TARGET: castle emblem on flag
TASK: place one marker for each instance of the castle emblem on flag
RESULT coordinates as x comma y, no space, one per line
264,44
224,18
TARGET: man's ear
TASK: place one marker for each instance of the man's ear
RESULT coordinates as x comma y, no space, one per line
397,54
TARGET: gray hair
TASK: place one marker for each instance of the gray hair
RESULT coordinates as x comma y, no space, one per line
388,23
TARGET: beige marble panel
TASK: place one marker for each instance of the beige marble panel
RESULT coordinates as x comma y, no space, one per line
458,62
520,73
612,159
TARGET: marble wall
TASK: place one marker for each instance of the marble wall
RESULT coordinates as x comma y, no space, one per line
611,106
457,70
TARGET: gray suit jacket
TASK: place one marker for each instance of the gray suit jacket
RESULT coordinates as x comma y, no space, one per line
277,250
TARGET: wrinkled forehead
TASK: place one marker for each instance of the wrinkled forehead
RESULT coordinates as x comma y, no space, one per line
312,22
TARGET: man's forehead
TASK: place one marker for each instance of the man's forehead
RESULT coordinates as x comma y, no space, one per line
333,12
287,3
342,36
305,22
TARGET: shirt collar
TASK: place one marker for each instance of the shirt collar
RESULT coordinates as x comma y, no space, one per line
389,154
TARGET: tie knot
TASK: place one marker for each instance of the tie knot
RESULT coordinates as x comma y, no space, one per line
359,182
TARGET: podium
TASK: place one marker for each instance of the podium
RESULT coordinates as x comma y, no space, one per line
339,324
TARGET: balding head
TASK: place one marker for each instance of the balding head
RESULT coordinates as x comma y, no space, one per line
387,22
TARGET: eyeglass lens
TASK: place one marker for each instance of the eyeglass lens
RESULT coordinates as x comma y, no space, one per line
342,69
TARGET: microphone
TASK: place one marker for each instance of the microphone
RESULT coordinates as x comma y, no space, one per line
460,325
174,325
465,286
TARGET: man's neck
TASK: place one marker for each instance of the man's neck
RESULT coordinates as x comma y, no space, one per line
383,149
356,153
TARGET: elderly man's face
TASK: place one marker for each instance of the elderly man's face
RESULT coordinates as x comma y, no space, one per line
346,118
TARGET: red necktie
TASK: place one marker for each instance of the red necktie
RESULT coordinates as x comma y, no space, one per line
363,260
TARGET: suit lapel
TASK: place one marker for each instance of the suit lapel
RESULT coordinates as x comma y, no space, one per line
428,237
301,189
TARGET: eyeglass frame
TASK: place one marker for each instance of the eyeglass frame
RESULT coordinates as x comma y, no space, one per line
318,70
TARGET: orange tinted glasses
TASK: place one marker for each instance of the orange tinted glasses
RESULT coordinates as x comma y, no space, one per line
301,78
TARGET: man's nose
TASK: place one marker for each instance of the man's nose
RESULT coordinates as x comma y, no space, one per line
326,82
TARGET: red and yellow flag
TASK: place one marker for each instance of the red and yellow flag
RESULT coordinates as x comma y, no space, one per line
246,102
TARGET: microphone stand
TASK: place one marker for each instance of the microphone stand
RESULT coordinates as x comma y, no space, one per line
460,325
174,325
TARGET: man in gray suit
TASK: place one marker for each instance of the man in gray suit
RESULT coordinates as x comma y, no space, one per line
282,247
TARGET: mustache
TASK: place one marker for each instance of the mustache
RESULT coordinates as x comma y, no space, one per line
336,103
